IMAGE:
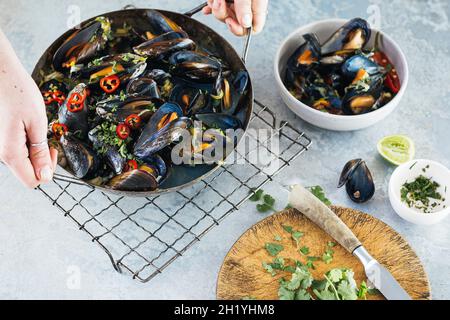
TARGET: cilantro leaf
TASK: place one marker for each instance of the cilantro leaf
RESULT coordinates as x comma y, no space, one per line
296,235
274,248
285,294
263,208
304,250
362,292
320,194
347,291
335,275
256,195
269,200
302,294
288,229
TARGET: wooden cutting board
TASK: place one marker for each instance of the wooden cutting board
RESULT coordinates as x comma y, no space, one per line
242,274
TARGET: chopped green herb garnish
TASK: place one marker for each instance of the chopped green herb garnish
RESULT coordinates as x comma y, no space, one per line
418,194
274,248
304,250
256,195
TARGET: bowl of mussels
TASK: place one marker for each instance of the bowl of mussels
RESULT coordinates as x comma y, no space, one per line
341,75
140,101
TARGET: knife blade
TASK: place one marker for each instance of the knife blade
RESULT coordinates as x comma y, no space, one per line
304,201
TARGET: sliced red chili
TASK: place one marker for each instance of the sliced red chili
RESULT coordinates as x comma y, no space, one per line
110,84
74,108
131,165
59,129
133,121
58,96
77,98
48,97
392,79
123,131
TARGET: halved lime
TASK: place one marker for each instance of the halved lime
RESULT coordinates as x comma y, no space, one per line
397,149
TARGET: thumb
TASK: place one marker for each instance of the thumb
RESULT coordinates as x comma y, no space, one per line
39,151
244,13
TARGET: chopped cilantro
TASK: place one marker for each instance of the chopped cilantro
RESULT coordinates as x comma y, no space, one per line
274,248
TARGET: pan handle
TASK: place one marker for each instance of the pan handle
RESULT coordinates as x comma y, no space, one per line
248,38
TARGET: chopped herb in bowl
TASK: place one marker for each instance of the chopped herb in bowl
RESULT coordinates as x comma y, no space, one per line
422,194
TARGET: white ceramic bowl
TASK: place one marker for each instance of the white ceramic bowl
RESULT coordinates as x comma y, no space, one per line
408,172
324,29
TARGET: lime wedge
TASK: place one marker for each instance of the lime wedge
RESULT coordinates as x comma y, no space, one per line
397,149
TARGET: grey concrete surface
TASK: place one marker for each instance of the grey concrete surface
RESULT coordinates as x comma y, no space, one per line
40,249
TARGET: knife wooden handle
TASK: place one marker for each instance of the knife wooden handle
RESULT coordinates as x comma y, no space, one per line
304,201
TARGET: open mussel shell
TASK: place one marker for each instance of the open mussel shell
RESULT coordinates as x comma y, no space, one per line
112,155
156,24
162,47
220,121
135,180
82,160
76,122
195,66
83,44
306,55
143,86
358,181
354,35
171,133
361,99
352,65
160,76
118,109
233,93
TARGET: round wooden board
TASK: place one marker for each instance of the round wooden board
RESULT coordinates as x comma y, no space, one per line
242,274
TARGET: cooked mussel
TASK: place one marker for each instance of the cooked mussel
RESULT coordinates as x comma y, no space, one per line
155,135
83,161
352,36
320,95
233,93
74,114
162,47
159,24
352,65
117,109
160,76
191,100
358,181
170,133
83,44
135,180
195,66
362,95
156,166
143,86
111,153
307,54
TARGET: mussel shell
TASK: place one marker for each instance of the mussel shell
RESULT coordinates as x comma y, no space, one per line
117,109
160,166
195,66
352,65
313,46
148,146
143,86
135,180
113,157
223,122
358,181
127,60
359,100
160,24
160,76
342,39
164,46
82,160
85,43
75,121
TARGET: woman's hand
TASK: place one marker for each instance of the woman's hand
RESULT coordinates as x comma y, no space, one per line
240,15
23,122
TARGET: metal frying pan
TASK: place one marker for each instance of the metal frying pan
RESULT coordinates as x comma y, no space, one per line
180,176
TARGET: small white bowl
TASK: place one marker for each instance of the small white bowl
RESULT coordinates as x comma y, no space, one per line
324,29
408,172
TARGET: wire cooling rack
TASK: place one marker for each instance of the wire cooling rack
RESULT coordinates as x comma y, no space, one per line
143,236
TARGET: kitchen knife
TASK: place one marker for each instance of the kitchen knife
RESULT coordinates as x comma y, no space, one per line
304,201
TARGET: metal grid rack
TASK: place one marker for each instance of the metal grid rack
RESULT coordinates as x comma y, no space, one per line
143,236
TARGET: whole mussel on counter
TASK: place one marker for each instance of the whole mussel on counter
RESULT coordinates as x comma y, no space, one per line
358,181
341,76
120,94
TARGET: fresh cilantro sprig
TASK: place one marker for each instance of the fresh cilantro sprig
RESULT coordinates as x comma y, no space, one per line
320,194
267,201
